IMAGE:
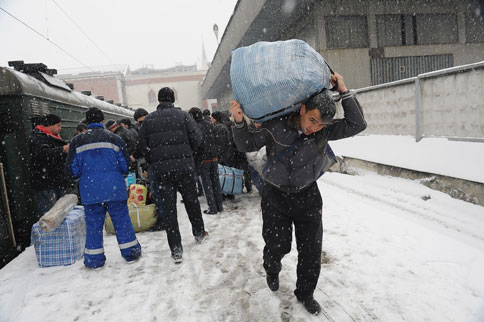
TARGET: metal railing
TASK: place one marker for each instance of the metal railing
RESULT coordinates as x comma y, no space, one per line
447,103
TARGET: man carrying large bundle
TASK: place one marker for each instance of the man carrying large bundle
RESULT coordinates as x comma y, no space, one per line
296,147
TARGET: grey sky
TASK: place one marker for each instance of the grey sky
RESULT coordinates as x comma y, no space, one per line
161,33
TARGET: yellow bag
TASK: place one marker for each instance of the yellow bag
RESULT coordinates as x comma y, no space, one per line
137,194
142,218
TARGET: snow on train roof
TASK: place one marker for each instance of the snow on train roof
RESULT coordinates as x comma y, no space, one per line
16,83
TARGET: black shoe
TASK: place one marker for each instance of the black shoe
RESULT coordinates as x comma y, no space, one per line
272,281
209,212
177,258
311,305
202,238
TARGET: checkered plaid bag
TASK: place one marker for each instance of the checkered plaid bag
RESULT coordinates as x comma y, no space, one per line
63,245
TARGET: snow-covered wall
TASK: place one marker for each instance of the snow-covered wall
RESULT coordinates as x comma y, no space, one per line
446,103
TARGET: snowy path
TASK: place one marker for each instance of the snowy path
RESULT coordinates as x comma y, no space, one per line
389,255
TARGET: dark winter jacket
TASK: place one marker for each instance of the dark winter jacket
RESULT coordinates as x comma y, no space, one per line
47,160
128,137
303,165
168,138
99,158
226,149
207,151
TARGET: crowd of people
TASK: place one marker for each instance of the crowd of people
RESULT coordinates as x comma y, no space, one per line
170,151
176,148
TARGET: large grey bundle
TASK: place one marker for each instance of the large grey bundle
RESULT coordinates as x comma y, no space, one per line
54,217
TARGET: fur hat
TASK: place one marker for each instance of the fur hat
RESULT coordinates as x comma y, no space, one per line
51,119
139,113
166,94
94,115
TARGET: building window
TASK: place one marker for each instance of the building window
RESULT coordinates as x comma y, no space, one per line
436,29
390,30
151,97
419,29
475,23
384,70
346,32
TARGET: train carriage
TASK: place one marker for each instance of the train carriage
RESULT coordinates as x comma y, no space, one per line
27,93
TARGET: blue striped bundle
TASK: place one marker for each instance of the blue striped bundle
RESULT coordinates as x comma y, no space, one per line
231,180
63,245
270,79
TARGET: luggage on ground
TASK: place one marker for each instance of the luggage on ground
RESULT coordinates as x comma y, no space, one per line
270,79
63,245
231,180
137,194
143,217
55,216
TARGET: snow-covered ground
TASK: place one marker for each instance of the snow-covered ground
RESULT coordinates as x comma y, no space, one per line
458,159
395,250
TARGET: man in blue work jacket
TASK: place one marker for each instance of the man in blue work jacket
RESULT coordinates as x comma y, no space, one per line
99,158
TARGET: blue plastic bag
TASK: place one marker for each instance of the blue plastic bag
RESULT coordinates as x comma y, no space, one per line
231,180
270,79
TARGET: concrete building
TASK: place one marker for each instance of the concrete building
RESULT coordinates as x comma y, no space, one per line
139,88
106,81
142,86
368,42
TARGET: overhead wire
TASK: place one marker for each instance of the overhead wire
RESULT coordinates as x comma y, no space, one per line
56,45
41,35
86,35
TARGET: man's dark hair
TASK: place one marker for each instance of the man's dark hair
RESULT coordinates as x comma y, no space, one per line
325,104
196,113
139,113
81,127
206,112
125,121
218,116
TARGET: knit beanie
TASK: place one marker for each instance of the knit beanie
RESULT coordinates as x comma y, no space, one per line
51,119
94,115
166,94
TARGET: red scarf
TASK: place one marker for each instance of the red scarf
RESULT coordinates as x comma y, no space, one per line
43,129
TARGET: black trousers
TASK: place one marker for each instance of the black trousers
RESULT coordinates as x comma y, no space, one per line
183,182
208,171
280,210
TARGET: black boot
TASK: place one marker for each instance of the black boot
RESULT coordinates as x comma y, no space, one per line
273,281
311,305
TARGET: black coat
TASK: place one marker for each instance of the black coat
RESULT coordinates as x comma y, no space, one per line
47,160
129,138
167,139
207,151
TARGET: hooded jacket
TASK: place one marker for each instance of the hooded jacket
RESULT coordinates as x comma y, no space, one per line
167,139
295,160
